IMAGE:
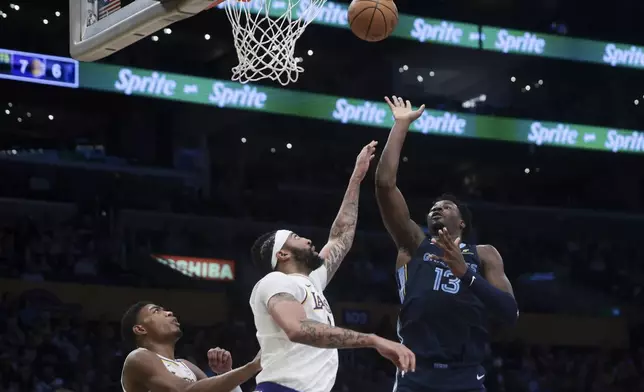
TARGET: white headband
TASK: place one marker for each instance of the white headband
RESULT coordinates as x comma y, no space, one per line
280,239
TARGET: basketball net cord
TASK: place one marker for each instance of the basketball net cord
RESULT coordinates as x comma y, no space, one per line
266,46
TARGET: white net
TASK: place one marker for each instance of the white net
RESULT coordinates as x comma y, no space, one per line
265,33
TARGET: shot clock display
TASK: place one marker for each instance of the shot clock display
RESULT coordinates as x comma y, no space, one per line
38,68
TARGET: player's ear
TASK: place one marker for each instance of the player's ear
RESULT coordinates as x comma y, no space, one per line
462,225
283,255
139,330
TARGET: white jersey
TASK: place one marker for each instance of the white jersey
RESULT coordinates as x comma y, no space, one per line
178,368
293,365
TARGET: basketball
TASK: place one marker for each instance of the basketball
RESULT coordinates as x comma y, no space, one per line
373,20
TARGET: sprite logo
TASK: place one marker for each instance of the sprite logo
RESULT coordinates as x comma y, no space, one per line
245,97
366,112
445,123
329,13
443,32
614,56
157,84
520,43
371,113
561,134
617,142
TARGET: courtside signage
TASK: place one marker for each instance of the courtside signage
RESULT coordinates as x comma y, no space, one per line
199,268
345,110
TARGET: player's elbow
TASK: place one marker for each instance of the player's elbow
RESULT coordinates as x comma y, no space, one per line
291,327
384,180
509,315
293,334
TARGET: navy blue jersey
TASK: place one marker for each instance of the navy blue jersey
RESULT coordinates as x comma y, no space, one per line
440,320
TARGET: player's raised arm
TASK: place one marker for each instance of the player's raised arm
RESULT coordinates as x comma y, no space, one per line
392,204
145,367
343,229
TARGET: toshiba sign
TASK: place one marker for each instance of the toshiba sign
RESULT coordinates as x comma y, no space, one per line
194,267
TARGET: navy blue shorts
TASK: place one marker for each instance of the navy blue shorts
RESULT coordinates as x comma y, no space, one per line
272,387
436,379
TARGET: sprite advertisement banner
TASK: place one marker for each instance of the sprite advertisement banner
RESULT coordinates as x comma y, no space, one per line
553,46
445,32
345,110
409,27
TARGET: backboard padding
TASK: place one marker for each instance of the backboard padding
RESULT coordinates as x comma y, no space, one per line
125,26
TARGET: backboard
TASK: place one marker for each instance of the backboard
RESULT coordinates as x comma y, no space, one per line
99,28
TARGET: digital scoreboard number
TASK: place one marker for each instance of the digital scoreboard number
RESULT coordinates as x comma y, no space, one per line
38,68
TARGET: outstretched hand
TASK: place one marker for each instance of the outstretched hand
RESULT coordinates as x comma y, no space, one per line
452,255
402,110
364,158
399,354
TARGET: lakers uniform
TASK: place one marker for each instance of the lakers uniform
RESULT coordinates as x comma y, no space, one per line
178,368
288,366
442,322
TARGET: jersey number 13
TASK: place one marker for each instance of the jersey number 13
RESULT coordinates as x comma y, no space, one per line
453,283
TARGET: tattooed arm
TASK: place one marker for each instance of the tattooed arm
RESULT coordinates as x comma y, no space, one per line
289,314
343,229
282,298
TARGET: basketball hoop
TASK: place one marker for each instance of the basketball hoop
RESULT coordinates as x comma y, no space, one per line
266,46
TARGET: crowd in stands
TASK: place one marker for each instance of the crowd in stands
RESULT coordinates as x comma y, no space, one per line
111,246
44,349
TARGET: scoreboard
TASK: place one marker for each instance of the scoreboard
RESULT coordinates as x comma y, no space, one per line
38,68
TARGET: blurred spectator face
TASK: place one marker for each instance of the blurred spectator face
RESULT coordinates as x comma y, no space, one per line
157,324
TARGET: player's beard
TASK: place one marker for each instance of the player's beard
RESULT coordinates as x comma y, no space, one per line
310,259
434,226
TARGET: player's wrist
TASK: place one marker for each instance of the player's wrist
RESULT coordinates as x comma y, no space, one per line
373,340
357,177
253,366
403,121
467,277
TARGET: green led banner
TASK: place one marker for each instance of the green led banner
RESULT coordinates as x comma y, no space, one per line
445,32
566,48
410,27
229,95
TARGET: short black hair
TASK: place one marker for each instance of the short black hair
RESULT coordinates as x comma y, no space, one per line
466,214
129,320
261,252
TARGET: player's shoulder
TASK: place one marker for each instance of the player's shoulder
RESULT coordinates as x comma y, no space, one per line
269,281
138,358
139,354
486,248
271,278
489,253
